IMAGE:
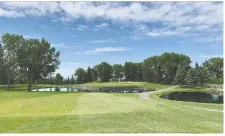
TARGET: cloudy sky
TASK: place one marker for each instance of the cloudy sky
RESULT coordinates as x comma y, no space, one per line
87,33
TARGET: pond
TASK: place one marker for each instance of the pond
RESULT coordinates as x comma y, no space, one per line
61,89
201,97
96,89
122,89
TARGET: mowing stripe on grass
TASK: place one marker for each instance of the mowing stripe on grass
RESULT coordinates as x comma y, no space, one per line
100,103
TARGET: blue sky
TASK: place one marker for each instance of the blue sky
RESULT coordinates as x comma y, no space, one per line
88,33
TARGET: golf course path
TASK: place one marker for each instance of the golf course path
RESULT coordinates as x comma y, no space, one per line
205,109
146,95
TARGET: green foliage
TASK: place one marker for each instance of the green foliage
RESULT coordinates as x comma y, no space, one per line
180,75
33,58
80,76
2,75
58,79
38,58
118,72
139,68
72,80
214,68
68,80
33,61
11,43
104,71
152,69
196,76
204,77
192,77
163,68
94,74
133,71
89,74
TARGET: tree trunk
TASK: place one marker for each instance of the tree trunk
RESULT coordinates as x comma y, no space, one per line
29,81
8,83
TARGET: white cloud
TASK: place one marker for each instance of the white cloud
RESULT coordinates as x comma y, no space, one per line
23,9
110,49
174,18
100,51
82,27
70,28
174,13
211,56
61,45
43,26
86,53
209,38
102,26
183,41
27,36
103,41
136,37
72,36
30,37
55,20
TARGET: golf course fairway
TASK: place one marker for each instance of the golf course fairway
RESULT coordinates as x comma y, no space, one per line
86,112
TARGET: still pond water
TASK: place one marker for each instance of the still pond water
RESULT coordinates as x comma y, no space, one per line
55,89
94,89
201,97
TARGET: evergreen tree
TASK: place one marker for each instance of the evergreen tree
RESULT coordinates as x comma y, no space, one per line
191,78
68,80
180,75
89,74
72,80
204,77
94,74
198,74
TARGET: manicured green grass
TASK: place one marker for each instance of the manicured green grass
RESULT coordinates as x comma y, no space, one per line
44,112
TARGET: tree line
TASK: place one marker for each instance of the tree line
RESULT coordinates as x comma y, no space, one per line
26,59
32,61
167,68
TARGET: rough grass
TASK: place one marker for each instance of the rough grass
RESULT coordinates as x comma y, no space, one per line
43,112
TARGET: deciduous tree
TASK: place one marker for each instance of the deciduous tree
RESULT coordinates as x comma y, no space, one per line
59,79
214,68
38,58
104,71
80,76
11,43
118,71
